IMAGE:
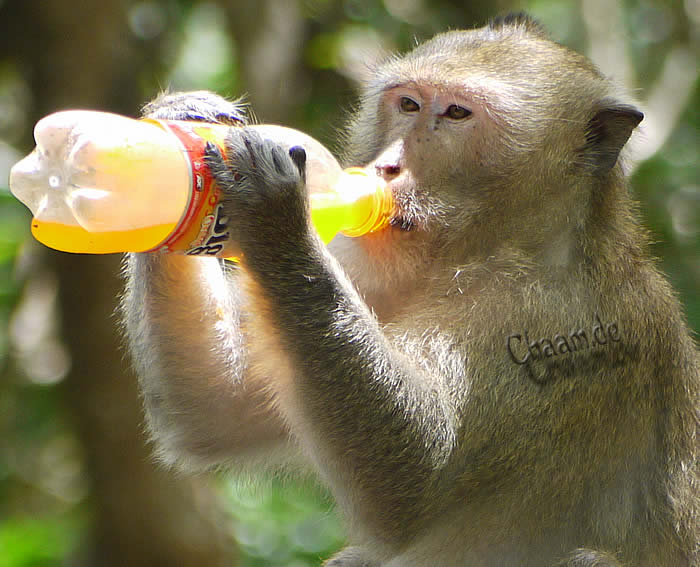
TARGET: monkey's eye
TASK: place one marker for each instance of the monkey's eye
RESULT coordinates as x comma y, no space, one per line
457,112
408,105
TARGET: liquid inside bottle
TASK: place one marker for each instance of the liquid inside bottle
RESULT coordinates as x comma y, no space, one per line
101,183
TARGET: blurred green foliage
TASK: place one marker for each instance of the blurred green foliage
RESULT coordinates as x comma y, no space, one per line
37,541
14,230
283,523
668,184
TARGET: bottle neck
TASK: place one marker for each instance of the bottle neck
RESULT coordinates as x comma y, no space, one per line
372,196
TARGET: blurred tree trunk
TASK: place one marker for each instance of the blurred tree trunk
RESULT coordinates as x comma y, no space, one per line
271,64
83,55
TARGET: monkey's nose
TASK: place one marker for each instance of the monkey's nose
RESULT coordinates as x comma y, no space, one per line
387,171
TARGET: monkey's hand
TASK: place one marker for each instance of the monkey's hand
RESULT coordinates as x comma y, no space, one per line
202,106
264,192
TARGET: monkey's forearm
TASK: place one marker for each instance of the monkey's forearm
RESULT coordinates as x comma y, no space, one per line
182,321
379,423
372,406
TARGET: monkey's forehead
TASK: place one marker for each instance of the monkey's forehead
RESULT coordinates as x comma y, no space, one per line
472,62
477,87
487,85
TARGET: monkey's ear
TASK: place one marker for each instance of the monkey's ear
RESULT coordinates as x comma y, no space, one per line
607,133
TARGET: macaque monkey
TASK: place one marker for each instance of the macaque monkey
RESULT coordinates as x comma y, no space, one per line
499,378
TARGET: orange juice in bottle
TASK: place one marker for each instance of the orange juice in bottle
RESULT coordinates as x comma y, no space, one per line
99,183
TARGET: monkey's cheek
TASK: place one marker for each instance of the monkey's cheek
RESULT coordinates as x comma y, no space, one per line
404,218
401,223
407,214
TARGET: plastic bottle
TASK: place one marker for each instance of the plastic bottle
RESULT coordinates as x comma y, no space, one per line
100,183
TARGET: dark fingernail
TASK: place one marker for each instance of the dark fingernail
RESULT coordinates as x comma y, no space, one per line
298,155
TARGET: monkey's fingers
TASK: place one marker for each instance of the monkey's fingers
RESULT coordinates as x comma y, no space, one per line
201,106
245,152
262,161
220,170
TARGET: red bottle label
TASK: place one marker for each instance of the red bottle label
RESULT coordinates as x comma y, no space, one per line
202,229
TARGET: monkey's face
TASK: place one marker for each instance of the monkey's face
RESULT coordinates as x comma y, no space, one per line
496,143
490,140
426,132
429,131
447,153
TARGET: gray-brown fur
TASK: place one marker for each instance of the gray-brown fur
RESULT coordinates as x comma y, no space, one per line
389,363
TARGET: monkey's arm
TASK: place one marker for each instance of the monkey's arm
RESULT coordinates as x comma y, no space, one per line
378,423
183,317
